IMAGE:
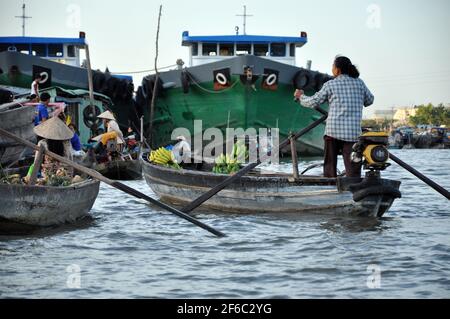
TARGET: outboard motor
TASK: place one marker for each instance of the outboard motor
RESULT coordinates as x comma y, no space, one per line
371,151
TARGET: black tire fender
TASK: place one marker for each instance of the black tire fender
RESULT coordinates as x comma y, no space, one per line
376,190
303,79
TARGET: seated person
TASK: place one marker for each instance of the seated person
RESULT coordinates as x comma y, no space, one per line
106,148
75,141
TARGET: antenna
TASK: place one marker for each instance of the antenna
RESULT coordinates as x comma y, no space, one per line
23,17
245,15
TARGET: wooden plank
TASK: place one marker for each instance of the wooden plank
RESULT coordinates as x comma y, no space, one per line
37,165
296,175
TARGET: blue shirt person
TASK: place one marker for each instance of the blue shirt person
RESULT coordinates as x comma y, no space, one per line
76,144
41,109
75,141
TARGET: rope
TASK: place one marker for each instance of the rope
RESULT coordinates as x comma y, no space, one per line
144,71
210,91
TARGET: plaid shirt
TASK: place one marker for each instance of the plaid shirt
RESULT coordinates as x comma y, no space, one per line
346,97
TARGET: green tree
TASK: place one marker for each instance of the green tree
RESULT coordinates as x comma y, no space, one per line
431,115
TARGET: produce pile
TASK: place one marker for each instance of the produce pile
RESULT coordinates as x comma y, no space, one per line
11,179
163,157
230,164
61,178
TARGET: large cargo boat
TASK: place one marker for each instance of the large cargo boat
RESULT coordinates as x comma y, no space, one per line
237,81
59,62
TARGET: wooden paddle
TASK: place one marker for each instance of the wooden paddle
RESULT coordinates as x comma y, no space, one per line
438,188
115,184
213,191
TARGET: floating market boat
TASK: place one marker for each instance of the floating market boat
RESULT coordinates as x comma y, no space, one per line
237,81
19,121
273,193
45,205
123,170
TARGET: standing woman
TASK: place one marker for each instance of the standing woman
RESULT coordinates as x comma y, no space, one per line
346,95
35,85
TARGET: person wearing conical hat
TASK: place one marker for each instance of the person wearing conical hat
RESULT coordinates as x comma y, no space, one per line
111,125
56,136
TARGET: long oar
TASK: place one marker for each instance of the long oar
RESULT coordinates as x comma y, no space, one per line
115,184
420,176
213,191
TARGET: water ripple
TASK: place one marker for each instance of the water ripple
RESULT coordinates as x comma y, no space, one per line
130,249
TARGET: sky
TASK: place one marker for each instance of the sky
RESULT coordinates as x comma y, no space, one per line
402,48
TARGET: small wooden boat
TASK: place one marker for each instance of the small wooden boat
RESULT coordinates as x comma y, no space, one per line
19,121
274,193
47,206
123,170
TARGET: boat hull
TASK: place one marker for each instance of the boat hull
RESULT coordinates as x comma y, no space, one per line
121,170
261,194
19,122
47,206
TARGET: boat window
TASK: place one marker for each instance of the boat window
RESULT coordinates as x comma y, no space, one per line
209,49
4,47
39,50
261,49
55,50
22,48
292,49
226,49
71,51
194,49
278,49
243,49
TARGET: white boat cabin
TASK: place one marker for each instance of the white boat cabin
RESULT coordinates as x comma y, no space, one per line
61,50
207,49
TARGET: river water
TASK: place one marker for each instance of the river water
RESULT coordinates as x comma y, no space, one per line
133,250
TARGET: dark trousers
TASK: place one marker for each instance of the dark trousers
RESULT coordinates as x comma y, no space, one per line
333,148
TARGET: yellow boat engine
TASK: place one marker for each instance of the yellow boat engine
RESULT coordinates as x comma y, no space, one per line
371,150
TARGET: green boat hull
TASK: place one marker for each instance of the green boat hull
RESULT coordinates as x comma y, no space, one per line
238,107
243,103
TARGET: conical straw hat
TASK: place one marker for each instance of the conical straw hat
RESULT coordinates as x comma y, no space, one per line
54,129
107,115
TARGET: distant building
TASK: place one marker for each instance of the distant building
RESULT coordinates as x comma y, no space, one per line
402,115
382,115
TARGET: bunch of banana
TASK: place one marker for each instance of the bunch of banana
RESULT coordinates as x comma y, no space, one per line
226,164
240,152
163,157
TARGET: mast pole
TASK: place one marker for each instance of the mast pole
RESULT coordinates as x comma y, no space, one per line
23,17
245,15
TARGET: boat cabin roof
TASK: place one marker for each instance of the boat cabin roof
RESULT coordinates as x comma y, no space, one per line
259,39
41,40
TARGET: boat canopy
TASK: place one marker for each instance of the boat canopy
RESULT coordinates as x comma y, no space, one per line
298,41
62,50
207,49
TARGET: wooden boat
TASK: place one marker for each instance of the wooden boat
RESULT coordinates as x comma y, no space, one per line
124,170
274,193
47,206
19,121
